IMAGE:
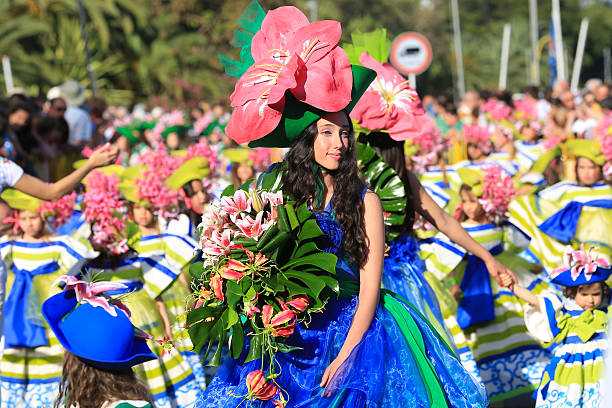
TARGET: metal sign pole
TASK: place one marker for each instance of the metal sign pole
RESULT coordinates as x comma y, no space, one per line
533,35
412,81
505,53
8,74
556,17
582,36
458,50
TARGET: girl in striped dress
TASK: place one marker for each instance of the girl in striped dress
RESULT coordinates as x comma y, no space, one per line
169,378
489,317
568,212
175,252
576,327
31,364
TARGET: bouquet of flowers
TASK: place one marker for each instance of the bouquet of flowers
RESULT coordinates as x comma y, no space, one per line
260,274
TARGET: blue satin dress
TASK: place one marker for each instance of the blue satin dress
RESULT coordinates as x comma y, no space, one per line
390,367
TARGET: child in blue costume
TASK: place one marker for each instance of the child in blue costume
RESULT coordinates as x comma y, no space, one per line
100,347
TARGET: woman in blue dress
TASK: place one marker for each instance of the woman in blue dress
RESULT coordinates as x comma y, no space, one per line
367,348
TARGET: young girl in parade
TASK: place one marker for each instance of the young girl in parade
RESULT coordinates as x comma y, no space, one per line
570,211
169,378
354,353
30,368
575,325
509,361
404,269
100,347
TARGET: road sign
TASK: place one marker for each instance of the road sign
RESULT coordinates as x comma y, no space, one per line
411,53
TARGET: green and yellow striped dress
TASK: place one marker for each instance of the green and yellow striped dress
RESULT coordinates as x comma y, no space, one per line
175,251
30,376
594,224
170,378
510,362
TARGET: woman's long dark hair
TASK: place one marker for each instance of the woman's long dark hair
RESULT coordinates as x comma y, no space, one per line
85,386
300,180
392,152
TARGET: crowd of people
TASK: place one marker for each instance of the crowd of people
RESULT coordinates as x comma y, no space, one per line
486,221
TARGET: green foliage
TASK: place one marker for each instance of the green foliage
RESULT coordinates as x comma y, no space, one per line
144,48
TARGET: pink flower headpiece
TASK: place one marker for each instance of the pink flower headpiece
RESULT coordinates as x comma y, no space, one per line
478,135
497,191
603,132
204,149
59,210
13,220
428,142
580,261
290,55
92,293
526,110
496,109
202,123
174,118
389,104
106,211
151,184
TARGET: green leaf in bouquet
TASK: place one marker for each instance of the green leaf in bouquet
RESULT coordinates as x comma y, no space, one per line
282,220
215,361
232,318
233,293
314,284
196,269
292,216
267,236
305,248
228,191
255,348
278,240
310,229
322,260
303,213
200,323
236,340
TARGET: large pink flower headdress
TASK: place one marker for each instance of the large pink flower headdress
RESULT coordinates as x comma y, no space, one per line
479,136
298,68
389,104
497,192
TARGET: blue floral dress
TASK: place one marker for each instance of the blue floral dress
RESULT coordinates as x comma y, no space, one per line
401,362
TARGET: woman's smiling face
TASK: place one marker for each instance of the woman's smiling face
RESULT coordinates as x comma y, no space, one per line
332,140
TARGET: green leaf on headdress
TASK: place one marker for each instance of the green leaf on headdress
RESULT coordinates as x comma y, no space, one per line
249,23
376,43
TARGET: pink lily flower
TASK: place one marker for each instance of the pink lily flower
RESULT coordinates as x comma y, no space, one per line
251,228
290,54
231,274
389,104
87,292
299,303
236,204
258,387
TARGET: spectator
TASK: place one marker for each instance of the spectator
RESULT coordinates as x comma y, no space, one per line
78,119
57,108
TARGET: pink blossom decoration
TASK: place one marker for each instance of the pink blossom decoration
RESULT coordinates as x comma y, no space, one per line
496,109
479,136
89,292
580,261
498,190
60,209
291,55
389,104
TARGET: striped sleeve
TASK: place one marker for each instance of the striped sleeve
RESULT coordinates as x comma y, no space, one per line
542,321
179,251
157,276
441,256
73,254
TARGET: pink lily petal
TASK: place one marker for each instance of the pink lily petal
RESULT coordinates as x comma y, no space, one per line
602,263
277,30
103,303
283,317
101,287
230,274
253,120
314,41
329,82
